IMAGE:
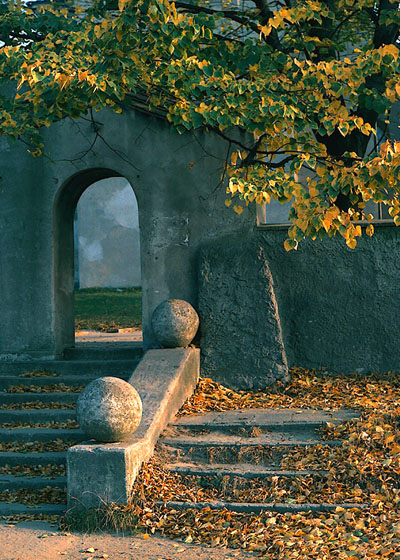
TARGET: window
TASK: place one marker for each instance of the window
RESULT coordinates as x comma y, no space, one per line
277,214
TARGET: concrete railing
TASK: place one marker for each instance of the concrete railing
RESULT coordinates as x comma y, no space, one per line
103,473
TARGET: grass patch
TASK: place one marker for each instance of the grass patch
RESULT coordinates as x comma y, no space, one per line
103,309
113,517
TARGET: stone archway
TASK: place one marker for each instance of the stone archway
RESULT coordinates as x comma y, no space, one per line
65,204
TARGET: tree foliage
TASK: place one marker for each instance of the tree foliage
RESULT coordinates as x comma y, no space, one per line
307,81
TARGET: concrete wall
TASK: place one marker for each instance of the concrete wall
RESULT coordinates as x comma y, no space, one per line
181,205
107,237
337,308
321,306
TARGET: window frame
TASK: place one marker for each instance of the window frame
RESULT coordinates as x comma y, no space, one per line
285,225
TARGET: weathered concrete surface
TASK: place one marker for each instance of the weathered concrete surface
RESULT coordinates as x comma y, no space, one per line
257,508
109,409
100,473
174,323
179,208
339,308
274,418
241,338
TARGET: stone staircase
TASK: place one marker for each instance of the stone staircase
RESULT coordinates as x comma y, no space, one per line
37,421
226,453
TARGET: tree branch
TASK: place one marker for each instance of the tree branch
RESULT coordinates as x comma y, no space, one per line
229,14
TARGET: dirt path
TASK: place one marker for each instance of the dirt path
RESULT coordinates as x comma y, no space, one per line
98,337
40,541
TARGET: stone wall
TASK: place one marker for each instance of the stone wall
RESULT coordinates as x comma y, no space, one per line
176,180
338,308
321,306
241,336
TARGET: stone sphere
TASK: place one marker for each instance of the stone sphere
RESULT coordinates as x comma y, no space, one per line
109,409
174,323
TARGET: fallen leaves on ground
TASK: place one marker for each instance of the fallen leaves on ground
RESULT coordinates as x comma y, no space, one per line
37,405
66,425
101,326
39,373
20,517
53,388
342,534
366,468
46,471
308,389
35,446
47,495
157,484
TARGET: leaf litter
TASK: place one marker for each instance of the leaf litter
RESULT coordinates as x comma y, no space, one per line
37,405
66,425
53,388
36,446
39,373
365,469
47,495
308,389
45,471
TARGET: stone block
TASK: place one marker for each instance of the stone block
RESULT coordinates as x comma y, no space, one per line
241,337
104,473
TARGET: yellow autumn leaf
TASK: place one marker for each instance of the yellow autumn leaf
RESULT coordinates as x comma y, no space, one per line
265,30
369,230
290,244
202,108
122,4
352,243
390,49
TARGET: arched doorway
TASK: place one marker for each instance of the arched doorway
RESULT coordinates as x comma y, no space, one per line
97,259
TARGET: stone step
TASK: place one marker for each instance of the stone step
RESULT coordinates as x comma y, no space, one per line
7,509
47,458
253,508
241,470
271,420
248,444
10,482
216,439
267,449
67,397
105,351
7,381
98,368
41,434
37,415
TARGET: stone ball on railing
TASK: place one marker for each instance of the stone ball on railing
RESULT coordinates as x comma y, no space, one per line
174,323
109,409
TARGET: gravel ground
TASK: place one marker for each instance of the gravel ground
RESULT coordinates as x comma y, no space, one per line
40,541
